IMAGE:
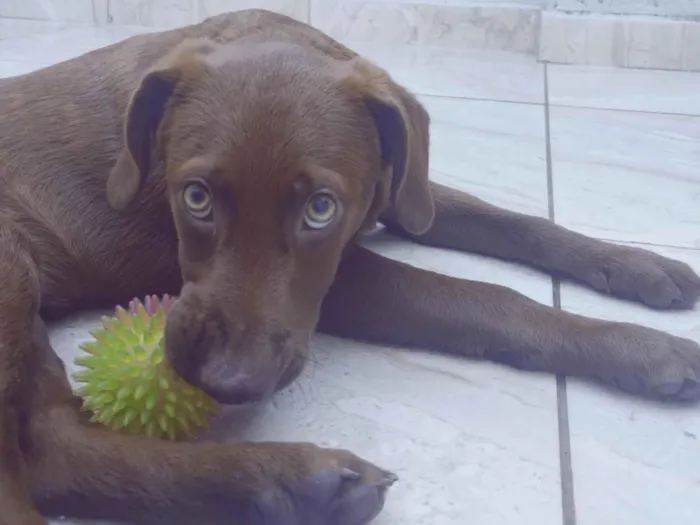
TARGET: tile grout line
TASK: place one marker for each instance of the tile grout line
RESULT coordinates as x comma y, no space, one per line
478,99
642,243
567,106
565,467
627,110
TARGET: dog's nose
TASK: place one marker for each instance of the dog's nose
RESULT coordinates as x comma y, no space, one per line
233,387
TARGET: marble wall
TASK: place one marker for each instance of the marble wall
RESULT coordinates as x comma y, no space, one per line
620,41
683,8
416,16
158,13
452,24
594,32
168,13
69,11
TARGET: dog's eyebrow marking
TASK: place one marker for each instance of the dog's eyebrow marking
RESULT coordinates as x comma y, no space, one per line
196,166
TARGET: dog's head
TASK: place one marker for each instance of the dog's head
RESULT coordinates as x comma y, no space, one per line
275,158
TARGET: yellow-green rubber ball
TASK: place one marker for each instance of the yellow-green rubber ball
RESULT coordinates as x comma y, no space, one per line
128,385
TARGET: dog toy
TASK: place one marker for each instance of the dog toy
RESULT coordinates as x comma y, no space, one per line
128,385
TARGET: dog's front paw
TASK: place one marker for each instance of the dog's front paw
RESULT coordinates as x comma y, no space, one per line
647,362
641,275
317,486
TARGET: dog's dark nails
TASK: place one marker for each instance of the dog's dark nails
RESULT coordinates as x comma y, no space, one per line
630,383
691,389
389,479
669,389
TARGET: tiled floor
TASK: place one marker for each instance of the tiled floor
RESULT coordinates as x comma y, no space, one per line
476,443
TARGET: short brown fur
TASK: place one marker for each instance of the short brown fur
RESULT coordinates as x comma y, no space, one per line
266,114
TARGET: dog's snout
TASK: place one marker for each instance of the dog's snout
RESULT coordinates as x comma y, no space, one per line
233,388
235,358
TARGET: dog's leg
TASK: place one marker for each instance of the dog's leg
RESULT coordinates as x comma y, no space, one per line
99,474
89,472
19,299
379,300
464,222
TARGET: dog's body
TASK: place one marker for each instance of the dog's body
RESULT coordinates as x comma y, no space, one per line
208,141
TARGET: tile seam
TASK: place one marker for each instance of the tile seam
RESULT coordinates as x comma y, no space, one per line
565,463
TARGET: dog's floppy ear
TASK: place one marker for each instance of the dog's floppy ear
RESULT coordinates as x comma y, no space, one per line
144,114
403,128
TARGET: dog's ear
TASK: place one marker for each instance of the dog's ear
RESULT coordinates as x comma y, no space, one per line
144,115
403,128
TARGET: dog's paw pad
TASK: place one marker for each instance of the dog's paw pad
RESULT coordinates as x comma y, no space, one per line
686,390
644,276
338,489
658,364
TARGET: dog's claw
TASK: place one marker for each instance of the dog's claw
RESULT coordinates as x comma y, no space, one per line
389,479
687,390
690,390
338,488
630,383
669,389
640,275
657,364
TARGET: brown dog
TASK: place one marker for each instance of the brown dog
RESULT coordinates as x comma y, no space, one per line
235,162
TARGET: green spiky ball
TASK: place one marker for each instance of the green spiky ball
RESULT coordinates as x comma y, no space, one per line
127,383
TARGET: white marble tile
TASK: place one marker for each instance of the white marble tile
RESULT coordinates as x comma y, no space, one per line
493,75
622,41
630,89
635,462
298,9
468,142
48,48
19,27
31,9
53,47
627,176
510,28
691,47
431,71
11,69
158,13
71,11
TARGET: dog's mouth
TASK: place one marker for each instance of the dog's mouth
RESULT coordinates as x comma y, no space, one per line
244,390
235,398
224,384
233,386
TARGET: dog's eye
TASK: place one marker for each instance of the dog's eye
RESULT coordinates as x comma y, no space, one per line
198,200
320,211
